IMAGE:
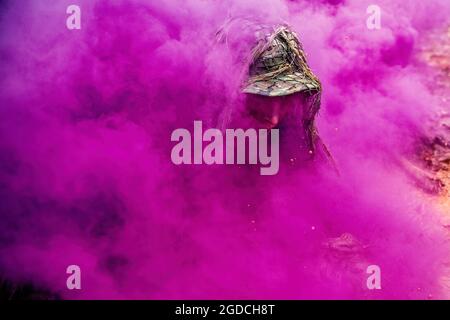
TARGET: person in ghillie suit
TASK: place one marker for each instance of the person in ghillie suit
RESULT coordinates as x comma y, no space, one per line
280,90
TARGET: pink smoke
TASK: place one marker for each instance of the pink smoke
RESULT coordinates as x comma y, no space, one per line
85,169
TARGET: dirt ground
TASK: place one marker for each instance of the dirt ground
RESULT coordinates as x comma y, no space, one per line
434,149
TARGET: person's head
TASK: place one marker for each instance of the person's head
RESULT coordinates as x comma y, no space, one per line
274,112
279,82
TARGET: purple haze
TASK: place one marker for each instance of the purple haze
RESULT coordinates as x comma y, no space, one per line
86,176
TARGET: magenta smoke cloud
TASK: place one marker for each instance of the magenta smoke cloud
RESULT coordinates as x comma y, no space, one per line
86,176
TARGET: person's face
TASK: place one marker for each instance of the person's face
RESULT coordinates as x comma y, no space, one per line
269,112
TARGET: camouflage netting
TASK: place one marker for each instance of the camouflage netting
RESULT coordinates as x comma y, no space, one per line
279,67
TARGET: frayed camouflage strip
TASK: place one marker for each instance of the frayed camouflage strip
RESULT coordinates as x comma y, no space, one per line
284,84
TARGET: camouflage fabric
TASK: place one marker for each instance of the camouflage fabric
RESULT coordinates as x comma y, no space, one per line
279,66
